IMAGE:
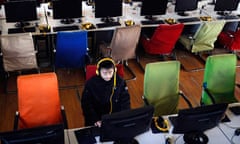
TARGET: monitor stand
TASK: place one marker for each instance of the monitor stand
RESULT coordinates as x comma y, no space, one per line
129,141
224,13
107,20
195,138
150,18
67,21
212,3
182,14
22,24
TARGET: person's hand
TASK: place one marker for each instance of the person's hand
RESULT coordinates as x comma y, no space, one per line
98,123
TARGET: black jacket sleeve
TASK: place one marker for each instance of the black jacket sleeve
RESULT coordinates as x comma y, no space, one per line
89,112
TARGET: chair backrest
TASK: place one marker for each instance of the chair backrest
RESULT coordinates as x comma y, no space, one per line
164,38
206,36
91,70
71,49
236,41
124,42
18,52
38,100
161,86
219,78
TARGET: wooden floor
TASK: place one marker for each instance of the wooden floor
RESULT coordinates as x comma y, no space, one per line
71,83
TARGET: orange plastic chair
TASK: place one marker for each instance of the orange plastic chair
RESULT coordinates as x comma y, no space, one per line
38,101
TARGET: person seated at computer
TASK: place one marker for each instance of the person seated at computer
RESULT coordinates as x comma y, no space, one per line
104,93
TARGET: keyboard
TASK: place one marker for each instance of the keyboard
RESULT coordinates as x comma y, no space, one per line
109,24
87,135
21,30
228,17
192,19
150,22
65,28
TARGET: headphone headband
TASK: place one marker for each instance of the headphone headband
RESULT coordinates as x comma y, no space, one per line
105,59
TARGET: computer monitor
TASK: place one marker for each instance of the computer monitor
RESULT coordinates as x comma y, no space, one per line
226,6
66,10
52,134
153,7
106,9
38,2
21,12
197,120
122,127
181,6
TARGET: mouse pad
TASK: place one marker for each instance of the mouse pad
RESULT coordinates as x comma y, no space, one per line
84,136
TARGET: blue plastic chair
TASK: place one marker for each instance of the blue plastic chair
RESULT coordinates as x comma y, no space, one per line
71,49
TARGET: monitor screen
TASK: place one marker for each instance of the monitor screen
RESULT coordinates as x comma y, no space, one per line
53,134
181,6
226,5
20,11
199,118
66,10
125,125
153,7
108,8
38,2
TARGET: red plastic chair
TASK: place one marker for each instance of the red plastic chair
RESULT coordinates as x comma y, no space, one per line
163,39
230,40
91,70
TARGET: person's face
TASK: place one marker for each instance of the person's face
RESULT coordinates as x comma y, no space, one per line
106,74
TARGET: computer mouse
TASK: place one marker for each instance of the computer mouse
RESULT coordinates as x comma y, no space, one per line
237,132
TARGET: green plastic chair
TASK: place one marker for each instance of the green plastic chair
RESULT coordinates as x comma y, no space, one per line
161,87
219,79
204,38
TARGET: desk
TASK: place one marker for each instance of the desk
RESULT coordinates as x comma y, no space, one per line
229,128
130,12
218,135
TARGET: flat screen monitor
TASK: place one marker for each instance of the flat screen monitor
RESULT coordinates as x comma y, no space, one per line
153,7
225,6
66,10
38,2
106,9
52,134
122,127
199,119
21,12
181,6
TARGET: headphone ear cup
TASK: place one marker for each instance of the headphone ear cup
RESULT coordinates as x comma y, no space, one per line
97,73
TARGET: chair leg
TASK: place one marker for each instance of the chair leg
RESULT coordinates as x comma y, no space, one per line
130,70
15,125
140,65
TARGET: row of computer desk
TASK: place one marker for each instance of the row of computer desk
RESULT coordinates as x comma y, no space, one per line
223,133
130,12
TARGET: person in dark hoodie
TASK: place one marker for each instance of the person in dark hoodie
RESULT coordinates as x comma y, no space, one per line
104,93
